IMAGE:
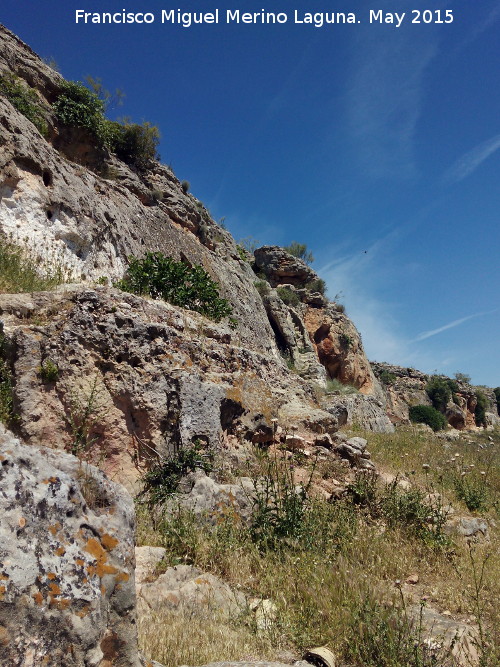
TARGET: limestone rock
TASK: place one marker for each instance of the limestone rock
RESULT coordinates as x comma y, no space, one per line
67,561
365,411
146,561
281,268
184,588
339,349
440,632
468,527
209,499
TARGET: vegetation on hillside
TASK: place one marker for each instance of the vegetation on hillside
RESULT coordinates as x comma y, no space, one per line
161,277
336,571
24,99
79,106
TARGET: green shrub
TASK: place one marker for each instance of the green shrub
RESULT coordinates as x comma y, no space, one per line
162,480
181,285
300,250
134,144
77,106
480,409
20,273
496,391
317,285
24,99
186,186
386,377
426,414
345,340
334,385
439,390
462,377
472,489
262,287
288,296
48,371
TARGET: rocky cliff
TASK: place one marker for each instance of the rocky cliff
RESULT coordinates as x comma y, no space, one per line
163,376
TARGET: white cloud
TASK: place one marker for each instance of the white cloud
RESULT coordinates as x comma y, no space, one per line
385,97
450,325
471,160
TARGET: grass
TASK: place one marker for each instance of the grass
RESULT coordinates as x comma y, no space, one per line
20,273
333,580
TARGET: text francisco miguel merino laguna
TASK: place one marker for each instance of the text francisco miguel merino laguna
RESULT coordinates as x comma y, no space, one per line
187,19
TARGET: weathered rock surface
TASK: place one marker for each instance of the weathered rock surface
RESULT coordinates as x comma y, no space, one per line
404,387
66,561
441,633
364,411
338,345
186,589
281,268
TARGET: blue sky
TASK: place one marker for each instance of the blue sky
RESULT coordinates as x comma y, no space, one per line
377,146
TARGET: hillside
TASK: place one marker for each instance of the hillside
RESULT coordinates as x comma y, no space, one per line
224,391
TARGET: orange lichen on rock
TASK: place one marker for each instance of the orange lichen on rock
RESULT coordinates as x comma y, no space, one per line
101,568
108,541
60,551
2,592
38,598
55,528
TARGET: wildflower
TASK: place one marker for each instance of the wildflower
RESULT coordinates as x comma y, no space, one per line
425,466
483,472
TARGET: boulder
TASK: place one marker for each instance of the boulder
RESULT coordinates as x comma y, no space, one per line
186,589
67,594
281,268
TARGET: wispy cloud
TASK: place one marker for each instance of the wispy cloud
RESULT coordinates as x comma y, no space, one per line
385,97
471,160
450,325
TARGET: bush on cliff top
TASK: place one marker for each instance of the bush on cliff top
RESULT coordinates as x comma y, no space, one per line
181,285
77,106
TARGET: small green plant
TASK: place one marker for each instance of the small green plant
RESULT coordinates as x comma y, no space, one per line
346,340
386,377
300,250
161,277
233,322
288,359
162,480
288,296
20,273
134,144
426,414
156,195
496,392
6,384
249,244
462,377
24,99
262,287
84,417
186,186
316,285
481,407
335,386
242,253
102,280
48,371
280,505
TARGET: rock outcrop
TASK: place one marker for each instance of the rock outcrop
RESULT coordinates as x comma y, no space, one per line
66,562
404,387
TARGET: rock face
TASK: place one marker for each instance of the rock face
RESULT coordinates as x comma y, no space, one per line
404,387
338,346
281,268
67,562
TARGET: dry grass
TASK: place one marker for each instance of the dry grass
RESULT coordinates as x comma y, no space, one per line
20,273
334,584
